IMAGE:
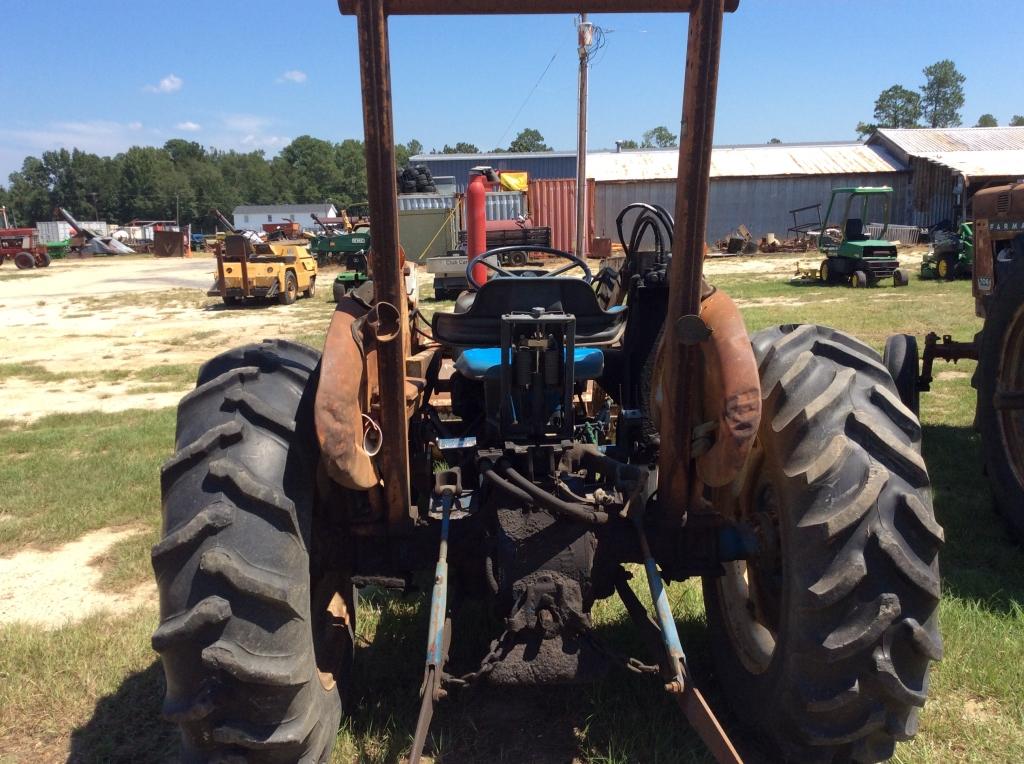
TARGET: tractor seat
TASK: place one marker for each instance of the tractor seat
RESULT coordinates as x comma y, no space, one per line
476,322
485,363
854,230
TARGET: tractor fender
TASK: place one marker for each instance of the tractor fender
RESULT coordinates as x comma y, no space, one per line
732,391
341,394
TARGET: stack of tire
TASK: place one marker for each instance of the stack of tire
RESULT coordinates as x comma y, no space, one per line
416,180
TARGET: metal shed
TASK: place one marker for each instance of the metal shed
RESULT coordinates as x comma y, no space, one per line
947,162
752,185
541,165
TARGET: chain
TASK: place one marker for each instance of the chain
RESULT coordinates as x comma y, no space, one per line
498,651
630,664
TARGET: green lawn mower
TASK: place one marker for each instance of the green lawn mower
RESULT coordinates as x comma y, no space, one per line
951,256
852,257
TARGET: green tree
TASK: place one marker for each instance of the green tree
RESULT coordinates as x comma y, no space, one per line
314,167
460,148
1017,120
148,185
351,158
661,137
528,140
898,107
942,95
987,120
405,151
30,192
627,144
773,141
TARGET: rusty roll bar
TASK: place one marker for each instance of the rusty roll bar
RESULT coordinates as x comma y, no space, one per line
680,364
385,261
478,7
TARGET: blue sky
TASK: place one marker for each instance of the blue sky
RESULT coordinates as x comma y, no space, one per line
256,74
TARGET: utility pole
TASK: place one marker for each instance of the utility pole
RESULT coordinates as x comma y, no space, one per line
586,39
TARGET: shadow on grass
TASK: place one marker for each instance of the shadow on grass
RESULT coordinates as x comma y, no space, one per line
126,726
980,561
623,718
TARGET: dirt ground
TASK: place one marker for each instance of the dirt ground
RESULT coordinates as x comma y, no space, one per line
67,580
82,328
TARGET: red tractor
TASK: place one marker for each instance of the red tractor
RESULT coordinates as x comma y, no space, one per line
21,245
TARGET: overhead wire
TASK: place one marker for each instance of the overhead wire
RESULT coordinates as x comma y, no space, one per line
528,97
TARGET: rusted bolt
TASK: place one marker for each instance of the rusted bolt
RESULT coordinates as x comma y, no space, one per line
674,687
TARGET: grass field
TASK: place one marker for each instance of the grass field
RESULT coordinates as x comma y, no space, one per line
91,691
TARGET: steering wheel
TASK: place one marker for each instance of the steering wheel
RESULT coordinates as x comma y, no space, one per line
574,262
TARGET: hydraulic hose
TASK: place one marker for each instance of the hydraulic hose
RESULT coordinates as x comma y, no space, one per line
523,490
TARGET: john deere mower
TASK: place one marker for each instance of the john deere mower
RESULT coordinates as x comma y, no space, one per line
851,256
951,255
536,448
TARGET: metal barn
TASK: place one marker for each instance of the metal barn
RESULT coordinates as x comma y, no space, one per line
751,185
947,163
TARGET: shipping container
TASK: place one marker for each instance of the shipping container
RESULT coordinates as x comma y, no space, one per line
59,230
552,204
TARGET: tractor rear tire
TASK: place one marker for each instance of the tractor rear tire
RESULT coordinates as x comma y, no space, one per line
311,292
823,641
859,280
1001,372
290,293
901,359
43,260
24,261
246,677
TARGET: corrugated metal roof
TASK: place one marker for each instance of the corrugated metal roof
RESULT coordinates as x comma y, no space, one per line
486,158
927,140
768,161
285,209
977,164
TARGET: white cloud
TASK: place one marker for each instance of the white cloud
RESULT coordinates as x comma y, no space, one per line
293,75
97,136
244,123
265,141
170,84
189,127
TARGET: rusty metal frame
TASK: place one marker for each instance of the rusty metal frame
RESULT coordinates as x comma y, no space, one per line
478,7
680,362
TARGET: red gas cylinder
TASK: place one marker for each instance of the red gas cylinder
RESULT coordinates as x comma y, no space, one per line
476,221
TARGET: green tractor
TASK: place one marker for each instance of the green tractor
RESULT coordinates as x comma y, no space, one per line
851,256
346,244
951,256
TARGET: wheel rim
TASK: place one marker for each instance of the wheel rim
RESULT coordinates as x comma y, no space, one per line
824,272
751,591
1009,395
943,268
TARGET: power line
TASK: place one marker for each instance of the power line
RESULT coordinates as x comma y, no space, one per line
527,99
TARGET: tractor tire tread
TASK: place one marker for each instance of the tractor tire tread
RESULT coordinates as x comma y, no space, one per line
232,567
848,453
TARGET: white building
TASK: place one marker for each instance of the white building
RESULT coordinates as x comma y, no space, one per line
252,217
